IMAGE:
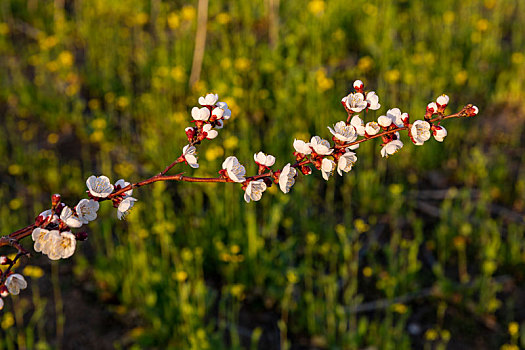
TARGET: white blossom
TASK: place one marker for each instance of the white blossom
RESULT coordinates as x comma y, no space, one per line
358,84
439,133
100,186
234,169
443,100
124,207
54,244
432,107
346,162
343,132
64,246
200,113
301,147
287,178
39,237
217,112
420,132
1,303
227,112
475,110
70,218
189,154
384,121
210,134
396,116
373,101
208,100
254,190
264,159
50,243
220,124
15,283
320,146
355,102
120,184
372,128
391,148
358,124
87,209
327,168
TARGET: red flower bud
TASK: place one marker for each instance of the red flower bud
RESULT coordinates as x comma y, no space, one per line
268,181
405,119
358,86
39,220
3,291
55,199
190,133
306,170
81,236
472,110
4,260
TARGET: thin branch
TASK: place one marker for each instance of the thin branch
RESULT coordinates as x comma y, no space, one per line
13,238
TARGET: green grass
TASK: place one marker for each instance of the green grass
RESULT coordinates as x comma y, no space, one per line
101,87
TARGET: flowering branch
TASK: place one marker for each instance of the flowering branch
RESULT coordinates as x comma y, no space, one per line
51,231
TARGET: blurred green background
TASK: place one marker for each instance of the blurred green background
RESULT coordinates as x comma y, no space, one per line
424,250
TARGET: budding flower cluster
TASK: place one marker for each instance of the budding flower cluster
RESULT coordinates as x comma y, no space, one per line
208,119
52,235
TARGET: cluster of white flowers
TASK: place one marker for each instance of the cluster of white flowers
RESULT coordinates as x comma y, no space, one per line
52,236
254,189
386,126
421,130
208,119
345,133
356,102
318,149
53,243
